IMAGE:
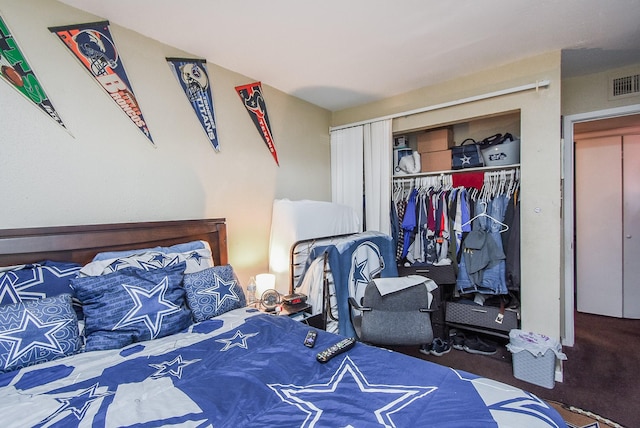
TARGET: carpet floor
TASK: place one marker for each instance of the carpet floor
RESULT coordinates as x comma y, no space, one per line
601,374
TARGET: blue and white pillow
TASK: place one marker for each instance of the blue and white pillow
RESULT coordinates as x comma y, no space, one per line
35,331
213,291
195,260
132,305
36,281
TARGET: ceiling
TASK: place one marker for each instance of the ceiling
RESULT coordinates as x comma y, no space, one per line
343,53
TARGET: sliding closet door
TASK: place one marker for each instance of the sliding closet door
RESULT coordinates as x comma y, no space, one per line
608,221
598,225
631,226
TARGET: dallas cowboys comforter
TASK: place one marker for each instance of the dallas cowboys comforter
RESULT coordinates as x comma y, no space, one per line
247,369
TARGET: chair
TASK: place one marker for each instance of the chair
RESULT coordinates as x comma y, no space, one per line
396,318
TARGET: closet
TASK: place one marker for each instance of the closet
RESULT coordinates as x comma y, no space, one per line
607,213
436,215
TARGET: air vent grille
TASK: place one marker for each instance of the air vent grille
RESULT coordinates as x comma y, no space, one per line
627,85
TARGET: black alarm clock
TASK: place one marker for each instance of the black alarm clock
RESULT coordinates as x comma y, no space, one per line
294,299
270,300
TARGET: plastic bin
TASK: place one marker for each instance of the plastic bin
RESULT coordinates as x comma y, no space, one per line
534,357
537,369
507,153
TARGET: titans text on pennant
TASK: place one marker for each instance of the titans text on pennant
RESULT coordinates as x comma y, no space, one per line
194,79
251,96
15,70
93,46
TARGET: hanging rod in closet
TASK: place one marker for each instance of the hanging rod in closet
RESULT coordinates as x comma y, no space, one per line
537,85
441,177
456,171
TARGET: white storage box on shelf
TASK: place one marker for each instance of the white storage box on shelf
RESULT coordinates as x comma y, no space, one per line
507,153
534,357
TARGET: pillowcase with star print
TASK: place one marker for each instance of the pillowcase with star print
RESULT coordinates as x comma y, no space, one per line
196,259
37,280
132,305
35,331
212,292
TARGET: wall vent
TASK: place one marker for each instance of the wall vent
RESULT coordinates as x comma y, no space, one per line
624,86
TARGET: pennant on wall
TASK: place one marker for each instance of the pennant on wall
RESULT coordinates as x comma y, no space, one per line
251,96
93,46
15,70
193,77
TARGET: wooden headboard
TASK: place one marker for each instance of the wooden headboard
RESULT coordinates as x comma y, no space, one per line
81,243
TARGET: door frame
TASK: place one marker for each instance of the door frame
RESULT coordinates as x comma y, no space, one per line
568,206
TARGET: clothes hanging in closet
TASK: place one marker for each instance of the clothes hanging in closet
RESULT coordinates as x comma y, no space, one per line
433,220
424,226
511,243
482,267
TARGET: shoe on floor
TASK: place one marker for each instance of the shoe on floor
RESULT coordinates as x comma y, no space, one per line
439,347
475,345
457,338
425,349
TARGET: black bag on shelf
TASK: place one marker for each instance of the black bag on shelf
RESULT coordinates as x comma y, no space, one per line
466,155
495,140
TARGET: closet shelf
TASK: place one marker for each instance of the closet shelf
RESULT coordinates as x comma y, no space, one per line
457,171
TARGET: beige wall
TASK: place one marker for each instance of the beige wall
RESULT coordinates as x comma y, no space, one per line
591,92
540,163
104,170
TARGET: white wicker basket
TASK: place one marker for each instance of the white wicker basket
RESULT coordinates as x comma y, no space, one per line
539,370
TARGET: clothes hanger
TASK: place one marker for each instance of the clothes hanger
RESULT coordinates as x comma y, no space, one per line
447,181
502,182
397,192
514,182
485,192
484,214
474,194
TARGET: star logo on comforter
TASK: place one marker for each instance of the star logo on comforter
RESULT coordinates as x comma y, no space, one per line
30,335
349,389
513,405
150,307
172,368
77,405
239,339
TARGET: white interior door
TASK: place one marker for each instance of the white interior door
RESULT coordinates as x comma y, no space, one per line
631,231
598,216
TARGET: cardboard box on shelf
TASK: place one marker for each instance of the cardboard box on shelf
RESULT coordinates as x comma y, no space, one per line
435,161
435,141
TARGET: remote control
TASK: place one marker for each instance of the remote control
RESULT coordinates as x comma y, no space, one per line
310,340
340,347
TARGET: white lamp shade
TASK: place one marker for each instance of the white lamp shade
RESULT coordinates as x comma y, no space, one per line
264,282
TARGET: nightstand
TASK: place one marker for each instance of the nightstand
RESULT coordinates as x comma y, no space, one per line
298,312
302,312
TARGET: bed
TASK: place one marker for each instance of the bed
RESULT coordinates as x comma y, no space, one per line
238,368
